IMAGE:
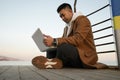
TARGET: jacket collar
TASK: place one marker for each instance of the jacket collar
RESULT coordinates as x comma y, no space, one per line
75,15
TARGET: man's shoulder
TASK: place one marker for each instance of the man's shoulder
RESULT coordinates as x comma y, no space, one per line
81,17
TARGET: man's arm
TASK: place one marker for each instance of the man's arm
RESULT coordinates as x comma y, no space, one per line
81,29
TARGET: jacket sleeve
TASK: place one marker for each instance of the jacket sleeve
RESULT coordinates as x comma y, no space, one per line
80,30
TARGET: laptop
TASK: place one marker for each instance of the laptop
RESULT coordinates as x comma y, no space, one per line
38,39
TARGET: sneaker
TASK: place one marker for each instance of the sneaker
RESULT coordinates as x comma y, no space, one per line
42,62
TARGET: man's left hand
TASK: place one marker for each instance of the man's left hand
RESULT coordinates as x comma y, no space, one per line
48,40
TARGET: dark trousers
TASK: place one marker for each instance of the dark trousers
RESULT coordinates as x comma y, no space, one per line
68,54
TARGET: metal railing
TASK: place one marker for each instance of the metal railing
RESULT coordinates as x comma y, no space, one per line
103,29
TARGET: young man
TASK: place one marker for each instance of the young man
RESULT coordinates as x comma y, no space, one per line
76,48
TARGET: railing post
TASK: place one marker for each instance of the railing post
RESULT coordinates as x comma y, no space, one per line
117,38
75,5
115,11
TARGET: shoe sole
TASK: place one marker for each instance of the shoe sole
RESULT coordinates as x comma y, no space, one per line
42,62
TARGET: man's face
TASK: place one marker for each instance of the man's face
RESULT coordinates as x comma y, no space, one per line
66,15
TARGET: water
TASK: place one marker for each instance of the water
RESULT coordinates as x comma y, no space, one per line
28,63
15,63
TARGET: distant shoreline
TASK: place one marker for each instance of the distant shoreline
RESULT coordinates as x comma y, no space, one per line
14,63
4,58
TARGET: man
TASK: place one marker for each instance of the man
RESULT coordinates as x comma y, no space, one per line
76,48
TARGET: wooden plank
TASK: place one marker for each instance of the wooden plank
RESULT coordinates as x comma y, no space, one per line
50,75
32,73
10,74
87,74
101,74
3,69
71,74
27,74
110,73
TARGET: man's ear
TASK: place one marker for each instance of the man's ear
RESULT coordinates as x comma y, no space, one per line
68,9
71,11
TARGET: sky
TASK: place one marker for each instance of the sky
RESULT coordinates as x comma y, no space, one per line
20,18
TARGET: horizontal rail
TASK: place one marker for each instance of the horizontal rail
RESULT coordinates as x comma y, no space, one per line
103,37
102,29
102,22
98,10
106,51
104,44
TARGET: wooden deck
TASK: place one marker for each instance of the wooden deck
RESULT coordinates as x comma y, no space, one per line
32,73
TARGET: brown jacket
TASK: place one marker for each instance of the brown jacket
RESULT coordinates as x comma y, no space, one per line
82,38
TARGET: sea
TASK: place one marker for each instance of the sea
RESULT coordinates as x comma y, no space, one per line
15,63
28,63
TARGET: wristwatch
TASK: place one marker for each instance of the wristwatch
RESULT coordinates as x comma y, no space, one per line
54,42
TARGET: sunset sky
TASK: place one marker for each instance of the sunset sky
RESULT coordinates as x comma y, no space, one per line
20,18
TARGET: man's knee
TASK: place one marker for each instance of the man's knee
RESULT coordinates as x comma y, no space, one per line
65,50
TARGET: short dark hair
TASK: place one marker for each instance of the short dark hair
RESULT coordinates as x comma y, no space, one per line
63,6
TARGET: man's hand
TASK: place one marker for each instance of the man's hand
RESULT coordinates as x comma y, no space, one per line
48,40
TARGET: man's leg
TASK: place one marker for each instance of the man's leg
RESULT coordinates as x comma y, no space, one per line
69,55
51,53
